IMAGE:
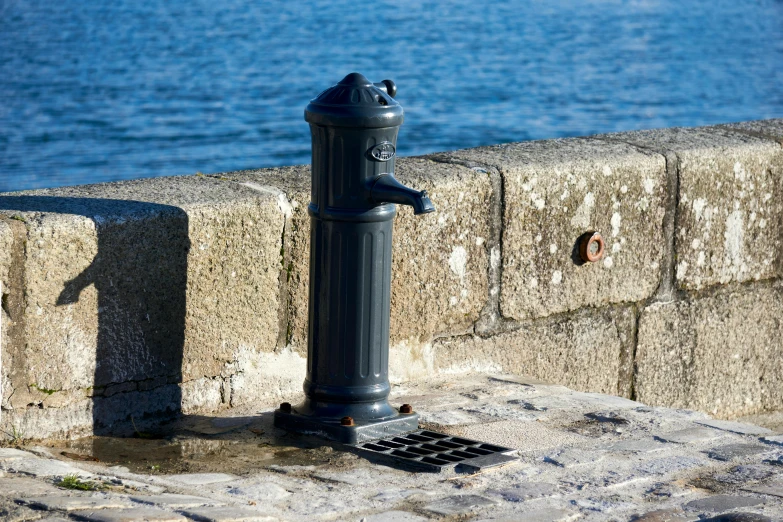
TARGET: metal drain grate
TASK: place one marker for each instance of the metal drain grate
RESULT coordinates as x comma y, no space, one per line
432,451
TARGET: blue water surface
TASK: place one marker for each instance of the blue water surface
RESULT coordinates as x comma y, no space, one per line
95,91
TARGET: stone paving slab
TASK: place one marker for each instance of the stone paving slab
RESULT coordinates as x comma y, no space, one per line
665,515
526,491
227,514
773,439
38,467
459,505
75,503
174,501
198,479
11,453
636,446
146,514
775,491
733,451
16,486
544,515
736,427
393,516
580,458
690,435
722,503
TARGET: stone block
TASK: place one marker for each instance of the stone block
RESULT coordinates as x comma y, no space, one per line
440,261
772,128
556,190
12,234
730,207
291,187
719,354
6,244
587,351
204,394
71,420
131,281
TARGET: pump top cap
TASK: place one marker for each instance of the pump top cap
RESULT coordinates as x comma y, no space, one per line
356,102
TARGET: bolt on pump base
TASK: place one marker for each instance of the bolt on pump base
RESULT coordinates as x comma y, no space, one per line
354,127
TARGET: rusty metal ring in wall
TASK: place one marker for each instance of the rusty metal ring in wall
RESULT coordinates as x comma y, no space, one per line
592,248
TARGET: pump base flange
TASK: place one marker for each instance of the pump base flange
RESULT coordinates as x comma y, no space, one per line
356,434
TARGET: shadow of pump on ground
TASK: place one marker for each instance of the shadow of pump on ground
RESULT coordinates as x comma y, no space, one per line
140,275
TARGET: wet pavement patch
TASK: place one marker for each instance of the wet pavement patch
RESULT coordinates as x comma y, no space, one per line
198,444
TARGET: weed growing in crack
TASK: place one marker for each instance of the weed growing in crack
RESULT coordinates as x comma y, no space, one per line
15,436
74,482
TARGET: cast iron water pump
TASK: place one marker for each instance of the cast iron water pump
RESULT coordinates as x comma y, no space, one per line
354,128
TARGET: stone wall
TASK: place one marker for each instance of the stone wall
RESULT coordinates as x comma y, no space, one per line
125,302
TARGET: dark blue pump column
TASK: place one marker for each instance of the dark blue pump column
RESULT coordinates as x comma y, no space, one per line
354,128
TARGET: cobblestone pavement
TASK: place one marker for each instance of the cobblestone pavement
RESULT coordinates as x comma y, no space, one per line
582,456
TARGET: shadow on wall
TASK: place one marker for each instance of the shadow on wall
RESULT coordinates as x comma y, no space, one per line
140,274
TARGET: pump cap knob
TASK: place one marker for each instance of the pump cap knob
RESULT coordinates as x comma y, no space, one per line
387,86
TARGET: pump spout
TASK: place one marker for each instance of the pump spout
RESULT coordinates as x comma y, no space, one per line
386,189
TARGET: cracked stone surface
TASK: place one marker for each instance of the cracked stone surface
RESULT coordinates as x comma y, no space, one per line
582,456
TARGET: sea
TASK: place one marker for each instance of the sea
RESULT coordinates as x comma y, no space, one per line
94,91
